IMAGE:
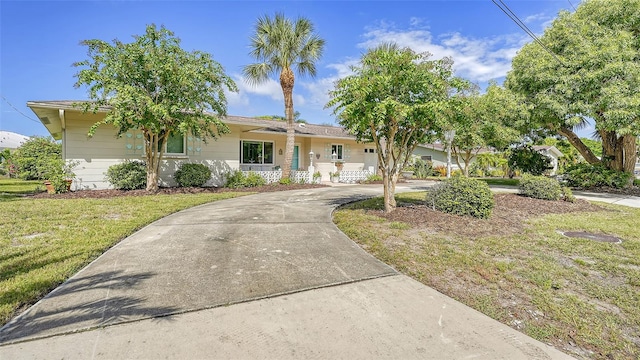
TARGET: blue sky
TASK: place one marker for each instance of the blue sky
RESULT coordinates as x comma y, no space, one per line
40,40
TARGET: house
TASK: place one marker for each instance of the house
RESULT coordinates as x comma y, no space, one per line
10,140
252,145
552,153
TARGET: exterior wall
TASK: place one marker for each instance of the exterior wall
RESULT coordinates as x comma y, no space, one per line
353,155
95,155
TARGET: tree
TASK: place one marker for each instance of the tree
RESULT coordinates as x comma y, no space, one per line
153,85
392,100
526,159
593,74
279,46
481,121
35,157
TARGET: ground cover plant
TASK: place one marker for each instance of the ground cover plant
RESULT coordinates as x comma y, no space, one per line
578,295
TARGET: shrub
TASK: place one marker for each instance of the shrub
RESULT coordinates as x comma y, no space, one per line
540,187
129,175
285,181
35,157
528,160
238,179
636,182
587,175
60,174
421,168
373,178
567,195
440,170
462,196
192,175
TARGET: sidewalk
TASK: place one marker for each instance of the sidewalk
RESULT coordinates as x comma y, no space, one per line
260,276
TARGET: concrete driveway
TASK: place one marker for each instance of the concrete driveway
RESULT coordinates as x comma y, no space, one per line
261,276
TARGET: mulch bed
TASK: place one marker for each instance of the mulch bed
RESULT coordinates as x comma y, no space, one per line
507,218
110,193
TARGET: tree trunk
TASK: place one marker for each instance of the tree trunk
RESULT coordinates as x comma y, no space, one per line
286,82
612,155
629,147
574,140
389,199
153,157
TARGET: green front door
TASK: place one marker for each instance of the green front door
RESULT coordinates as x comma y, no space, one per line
294,161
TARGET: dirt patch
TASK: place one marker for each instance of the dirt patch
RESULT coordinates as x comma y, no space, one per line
509,214
110,193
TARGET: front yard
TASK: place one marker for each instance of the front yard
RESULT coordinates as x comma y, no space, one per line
578,295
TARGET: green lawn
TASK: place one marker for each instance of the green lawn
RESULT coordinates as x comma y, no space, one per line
13,187
45,241
580,295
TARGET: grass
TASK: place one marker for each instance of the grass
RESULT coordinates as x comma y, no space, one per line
15,187
579,295
45,241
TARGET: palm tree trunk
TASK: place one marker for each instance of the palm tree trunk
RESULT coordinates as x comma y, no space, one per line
286,82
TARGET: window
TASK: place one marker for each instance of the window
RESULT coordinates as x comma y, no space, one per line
256,152
426,157
174,145
337,149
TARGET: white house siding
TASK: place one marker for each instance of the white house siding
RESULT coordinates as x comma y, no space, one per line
94,155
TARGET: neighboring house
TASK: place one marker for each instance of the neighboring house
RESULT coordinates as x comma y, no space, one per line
11,140
437,154
552,153
252,144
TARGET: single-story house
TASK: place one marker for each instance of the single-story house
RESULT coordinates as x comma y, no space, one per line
552,153
252,145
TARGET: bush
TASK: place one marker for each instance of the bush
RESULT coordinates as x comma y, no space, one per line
528,160
540,187
129,175
567,195
440,170
462,196
60,174
285,181
237,179
34,158
373,178
192,175
421,168
587,175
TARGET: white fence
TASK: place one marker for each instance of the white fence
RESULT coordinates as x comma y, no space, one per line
351,176
296,176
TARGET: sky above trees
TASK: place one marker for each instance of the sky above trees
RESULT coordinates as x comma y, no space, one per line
40,41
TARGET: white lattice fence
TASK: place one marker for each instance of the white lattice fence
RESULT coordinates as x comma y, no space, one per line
275,176
299,176
350,176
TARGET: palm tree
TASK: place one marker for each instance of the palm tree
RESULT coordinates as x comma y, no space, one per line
279,45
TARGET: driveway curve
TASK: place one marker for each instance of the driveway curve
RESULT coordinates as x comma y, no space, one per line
216,280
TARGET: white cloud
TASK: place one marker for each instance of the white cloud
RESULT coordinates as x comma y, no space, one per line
319,89
477,59
536,17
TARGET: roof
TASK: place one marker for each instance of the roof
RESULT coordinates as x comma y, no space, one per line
550,149
443,148
46,109
11,140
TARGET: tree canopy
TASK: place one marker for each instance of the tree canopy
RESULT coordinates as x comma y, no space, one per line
153,85
593,74
392,100
481,121
281,46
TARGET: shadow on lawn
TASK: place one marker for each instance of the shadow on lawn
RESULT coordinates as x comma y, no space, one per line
56,314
